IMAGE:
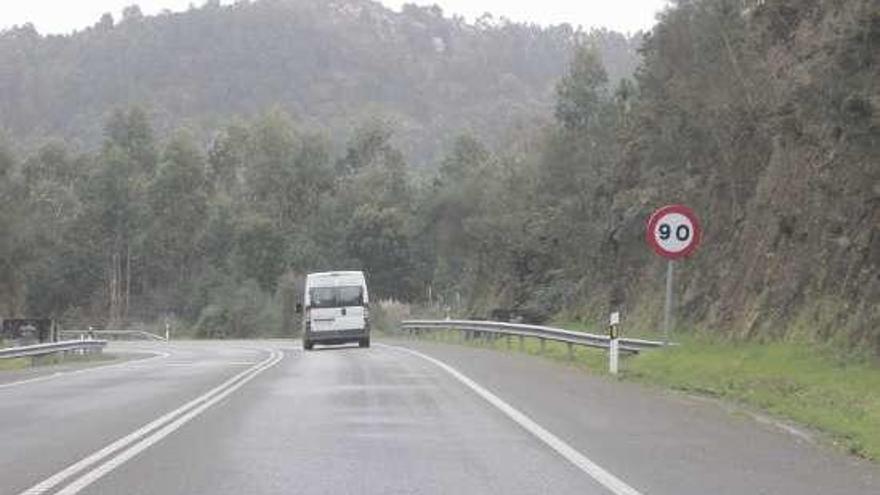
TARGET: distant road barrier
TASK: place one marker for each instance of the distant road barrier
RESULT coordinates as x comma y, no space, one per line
475,328
136,334
52,348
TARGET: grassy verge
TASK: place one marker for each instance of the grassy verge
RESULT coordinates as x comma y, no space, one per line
52,359
811,386
14,364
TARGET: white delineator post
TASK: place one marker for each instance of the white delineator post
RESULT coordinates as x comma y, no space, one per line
613,343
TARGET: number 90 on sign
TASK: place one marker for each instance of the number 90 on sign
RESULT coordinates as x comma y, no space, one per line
673,231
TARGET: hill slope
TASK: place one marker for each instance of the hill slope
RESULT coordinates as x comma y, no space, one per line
329,63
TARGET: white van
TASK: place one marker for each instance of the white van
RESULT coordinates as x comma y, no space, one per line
336,309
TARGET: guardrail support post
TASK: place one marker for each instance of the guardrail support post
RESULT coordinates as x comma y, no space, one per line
522,343
509,345
543,346
570,351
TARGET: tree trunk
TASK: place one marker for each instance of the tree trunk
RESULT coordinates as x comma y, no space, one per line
112,288
127,281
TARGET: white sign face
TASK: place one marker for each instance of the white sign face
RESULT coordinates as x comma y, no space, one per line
615,318
674,232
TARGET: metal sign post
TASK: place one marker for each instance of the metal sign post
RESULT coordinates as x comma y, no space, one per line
667,312
673,232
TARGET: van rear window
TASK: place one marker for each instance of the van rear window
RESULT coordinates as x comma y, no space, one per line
336,297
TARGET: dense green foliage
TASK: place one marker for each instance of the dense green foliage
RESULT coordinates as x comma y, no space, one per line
328,63
761,115
144,229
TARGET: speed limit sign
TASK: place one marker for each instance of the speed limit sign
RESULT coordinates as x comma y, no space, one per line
674,231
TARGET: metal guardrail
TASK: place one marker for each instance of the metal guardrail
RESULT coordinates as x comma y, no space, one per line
51,348
473,328
141,334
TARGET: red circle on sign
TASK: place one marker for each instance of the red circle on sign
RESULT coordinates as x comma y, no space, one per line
667,212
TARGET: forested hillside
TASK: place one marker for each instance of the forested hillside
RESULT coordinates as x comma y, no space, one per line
761,115
328,63
764,116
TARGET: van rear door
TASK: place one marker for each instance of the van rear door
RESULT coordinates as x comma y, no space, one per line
337,308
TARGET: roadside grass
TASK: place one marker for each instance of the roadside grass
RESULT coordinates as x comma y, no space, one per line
14,364
810,385
49,360
824,390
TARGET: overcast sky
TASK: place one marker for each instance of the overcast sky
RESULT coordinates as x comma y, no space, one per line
64,16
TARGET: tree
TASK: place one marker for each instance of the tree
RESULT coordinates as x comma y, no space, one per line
227,158
467,156
106,22
178,205
380,239
132,13
11,216
114,202
59,267
259,253
581,92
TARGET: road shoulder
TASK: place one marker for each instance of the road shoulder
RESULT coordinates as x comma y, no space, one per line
669,441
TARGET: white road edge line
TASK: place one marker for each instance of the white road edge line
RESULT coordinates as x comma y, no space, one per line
86,462
602,476
62,374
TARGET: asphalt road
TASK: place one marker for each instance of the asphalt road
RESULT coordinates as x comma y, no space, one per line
265,417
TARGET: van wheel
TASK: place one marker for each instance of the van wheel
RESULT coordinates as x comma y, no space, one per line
364,342
307,345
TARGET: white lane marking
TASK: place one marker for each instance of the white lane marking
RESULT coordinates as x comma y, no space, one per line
86,462
61,374
202,364
601,475
94,475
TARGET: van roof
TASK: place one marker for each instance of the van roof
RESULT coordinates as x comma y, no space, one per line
336,274
335,279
